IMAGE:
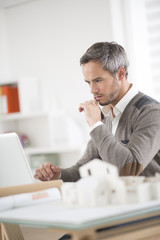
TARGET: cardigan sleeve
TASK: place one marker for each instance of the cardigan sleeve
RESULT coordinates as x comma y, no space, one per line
132,157
72,174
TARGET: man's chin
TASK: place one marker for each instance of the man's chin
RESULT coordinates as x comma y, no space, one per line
103,104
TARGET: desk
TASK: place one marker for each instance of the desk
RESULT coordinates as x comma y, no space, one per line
133,222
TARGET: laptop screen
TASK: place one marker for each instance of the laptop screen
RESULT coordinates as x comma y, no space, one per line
14,167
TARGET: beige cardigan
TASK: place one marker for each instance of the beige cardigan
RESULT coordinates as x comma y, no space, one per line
135,148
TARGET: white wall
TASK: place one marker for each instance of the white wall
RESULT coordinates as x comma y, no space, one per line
46,38
137,44
4,64
129,28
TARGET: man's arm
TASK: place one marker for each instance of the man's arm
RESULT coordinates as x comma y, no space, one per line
133,157
48,171
72,174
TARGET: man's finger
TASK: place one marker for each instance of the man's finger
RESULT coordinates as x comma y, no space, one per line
36,176
95,100
81,107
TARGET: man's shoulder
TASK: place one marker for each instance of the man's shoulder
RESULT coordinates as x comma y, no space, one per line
142,100
141,103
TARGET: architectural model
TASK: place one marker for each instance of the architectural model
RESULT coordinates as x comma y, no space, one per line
100,184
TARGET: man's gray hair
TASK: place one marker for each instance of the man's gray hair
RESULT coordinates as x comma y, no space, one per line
109,54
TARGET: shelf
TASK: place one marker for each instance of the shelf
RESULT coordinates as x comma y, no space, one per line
18,116
8,82
57,149
52,133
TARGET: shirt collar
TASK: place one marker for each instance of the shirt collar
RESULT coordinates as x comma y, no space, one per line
121,105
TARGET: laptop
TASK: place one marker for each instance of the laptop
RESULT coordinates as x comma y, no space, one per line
14,167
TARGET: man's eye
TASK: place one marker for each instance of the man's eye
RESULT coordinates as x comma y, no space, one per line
98,80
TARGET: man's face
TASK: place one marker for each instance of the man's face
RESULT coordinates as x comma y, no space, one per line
104,87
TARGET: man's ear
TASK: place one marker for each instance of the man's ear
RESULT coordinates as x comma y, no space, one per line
121,73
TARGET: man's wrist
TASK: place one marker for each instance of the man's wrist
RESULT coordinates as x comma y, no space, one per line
95,125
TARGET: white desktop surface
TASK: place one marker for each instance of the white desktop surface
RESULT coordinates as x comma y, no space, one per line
57,214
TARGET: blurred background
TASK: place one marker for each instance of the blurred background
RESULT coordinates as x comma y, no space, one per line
41,42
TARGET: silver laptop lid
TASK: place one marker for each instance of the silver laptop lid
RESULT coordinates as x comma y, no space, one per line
14,167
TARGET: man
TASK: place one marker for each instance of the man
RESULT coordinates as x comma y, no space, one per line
126,132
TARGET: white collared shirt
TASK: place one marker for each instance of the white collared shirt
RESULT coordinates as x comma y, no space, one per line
117,110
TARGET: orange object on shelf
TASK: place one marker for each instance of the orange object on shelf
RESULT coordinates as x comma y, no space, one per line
12,99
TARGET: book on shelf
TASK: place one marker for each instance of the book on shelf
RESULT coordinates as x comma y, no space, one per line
9,99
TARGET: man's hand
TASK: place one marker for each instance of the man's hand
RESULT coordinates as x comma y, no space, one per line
47,172
92,111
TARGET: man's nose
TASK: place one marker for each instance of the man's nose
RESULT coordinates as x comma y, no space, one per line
93,88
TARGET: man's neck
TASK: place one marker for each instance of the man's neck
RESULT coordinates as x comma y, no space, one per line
124,91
